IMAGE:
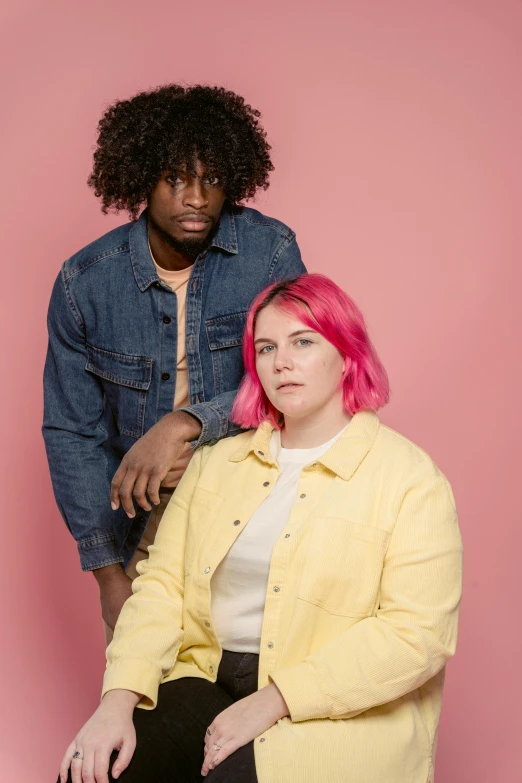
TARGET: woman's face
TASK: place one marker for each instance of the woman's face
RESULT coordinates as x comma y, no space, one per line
299,370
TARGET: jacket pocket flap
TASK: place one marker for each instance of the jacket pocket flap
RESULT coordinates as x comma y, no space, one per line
124,369
226,331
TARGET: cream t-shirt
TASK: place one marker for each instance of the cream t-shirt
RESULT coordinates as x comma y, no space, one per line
178,280
238,587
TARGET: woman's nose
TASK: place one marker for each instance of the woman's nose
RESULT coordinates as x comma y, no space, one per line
283,361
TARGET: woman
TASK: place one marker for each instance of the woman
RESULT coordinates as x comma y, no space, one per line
300,601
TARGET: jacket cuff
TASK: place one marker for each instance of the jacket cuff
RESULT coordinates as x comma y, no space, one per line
134,674
214,422
301,692
98,551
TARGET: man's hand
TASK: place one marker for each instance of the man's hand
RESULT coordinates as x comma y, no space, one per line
147,463
241,723
115,587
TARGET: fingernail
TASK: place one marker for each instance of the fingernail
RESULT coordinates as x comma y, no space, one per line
131,516
113,505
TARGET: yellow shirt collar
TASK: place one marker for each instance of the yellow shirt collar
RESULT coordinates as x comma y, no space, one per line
343,458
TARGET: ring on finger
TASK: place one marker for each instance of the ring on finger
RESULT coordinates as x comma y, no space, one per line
208,731
216,747
77,756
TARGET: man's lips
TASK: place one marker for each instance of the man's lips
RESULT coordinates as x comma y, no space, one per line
194,222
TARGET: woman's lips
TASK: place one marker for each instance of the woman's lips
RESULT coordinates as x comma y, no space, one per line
289,387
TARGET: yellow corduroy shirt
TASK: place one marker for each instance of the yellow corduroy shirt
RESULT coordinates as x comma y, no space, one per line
368,571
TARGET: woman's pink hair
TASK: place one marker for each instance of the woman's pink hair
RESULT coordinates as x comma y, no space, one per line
321,305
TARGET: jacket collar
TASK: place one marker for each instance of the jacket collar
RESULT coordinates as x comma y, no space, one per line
142,264
343,458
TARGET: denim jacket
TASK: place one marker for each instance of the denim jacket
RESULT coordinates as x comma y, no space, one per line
110,371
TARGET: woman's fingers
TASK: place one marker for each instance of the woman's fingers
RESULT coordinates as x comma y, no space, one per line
76,766
101,766
124,756
87,767
217,752
66,762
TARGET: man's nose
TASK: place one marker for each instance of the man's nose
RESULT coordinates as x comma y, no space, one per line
195,195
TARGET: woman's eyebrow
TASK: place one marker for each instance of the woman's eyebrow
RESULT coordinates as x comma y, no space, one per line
293,334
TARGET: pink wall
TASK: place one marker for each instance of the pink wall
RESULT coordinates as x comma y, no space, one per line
397,134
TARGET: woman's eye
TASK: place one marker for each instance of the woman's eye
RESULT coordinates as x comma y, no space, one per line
212,181
266,349
304,342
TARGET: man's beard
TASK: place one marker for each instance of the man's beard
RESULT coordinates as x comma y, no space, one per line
187,247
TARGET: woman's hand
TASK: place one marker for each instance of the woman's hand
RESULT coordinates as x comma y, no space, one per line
110,728
241,723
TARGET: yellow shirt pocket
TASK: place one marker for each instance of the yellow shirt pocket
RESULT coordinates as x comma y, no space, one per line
343,566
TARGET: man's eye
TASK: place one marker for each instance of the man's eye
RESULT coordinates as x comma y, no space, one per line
212,181
174,180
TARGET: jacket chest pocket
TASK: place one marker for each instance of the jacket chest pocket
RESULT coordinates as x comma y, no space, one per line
343,566
225,338
125,380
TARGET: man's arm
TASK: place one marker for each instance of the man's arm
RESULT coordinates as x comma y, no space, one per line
74,437
147,463
214,416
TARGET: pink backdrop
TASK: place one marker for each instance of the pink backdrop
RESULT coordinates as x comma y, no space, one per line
397,132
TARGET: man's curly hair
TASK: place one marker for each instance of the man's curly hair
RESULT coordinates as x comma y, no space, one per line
173,126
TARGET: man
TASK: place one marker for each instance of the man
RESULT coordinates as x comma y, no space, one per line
146,323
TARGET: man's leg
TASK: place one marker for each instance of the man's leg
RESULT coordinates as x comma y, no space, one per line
141,552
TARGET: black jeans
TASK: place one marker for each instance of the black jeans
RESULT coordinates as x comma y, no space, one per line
170,738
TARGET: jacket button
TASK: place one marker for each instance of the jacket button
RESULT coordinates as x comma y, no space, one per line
261,453
287,535
166,319
276,589
270,645
165,376
237,522
207,624
211,669
262,739
266,483
207,570
302,496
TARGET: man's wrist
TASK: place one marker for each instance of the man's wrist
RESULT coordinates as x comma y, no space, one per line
190,425
109,573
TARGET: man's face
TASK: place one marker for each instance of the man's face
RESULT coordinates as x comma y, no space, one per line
185,209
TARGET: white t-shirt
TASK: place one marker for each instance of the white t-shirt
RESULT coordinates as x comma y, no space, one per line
238,587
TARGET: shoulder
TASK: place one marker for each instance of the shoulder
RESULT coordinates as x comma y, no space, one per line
111,244
251,220
408,459
225,448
